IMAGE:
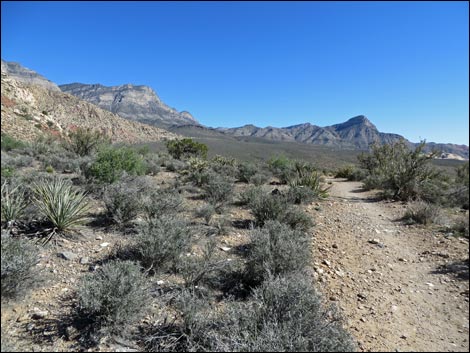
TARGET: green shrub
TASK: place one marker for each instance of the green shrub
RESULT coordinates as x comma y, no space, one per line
16,161
161,202
423,213
402,173
13,202
267,207
83,141
459,195
282,167
276,249
49,169
9,143
110,164
19,271
186,148
161,241
58,201
124,199
351,173
114,297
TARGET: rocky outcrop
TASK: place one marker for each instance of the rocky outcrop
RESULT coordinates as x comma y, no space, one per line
31,110
23,74
138,103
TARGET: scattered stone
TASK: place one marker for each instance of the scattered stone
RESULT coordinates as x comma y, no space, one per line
103,245
404,337
362,319
67,255
362,296
402,259
374,241
160,282
84,260
430,284
70,333
334,246
99,237
327,263
394,308
39,314
224,248
30,327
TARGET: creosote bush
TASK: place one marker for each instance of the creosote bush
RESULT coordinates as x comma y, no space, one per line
19,271
83,141
161,241
9,143
113,297
402,173
111,163
186,148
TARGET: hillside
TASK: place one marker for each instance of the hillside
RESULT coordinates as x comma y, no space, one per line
137,103
29,110
23,74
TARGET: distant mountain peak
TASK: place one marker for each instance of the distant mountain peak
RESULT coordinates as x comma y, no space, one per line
28,76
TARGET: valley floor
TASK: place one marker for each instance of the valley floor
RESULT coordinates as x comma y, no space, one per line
401,288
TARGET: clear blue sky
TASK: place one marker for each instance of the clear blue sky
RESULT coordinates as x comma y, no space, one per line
402,64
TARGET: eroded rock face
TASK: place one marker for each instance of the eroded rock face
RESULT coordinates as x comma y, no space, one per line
23,74
138,103
31,110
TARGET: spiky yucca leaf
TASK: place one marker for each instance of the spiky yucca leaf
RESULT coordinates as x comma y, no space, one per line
311,180
13,202
60,203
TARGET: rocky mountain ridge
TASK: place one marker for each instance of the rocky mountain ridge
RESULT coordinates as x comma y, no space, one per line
356,133
30,110
23,74
137,103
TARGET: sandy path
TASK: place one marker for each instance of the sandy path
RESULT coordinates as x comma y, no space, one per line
409,292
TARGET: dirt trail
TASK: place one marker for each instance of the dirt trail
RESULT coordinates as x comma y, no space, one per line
401,288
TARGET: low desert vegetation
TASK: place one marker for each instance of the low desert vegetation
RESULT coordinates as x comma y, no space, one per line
214,254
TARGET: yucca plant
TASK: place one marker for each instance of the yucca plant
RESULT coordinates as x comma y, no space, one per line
13,202
60,203
310,180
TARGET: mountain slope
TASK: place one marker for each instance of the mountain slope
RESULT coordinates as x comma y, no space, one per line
138,103
356,133
30,110
23,74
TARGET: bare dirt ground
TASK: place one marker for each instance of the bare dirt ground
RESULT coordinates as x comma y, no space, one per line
401,288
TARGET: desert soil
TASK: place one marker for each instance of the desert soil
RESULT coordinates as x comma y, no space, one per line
400,288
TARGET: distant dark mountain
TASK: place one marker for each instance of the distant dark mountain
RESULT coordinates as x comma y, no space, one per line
356,133
138,103
23,74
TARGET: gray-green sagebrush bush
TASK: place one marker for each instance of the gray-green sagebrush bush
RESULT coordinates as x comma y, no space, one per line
113,297
276,249
19,271
161,241
283,314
